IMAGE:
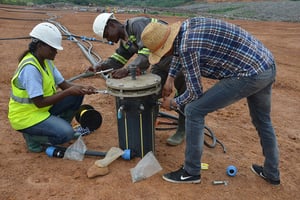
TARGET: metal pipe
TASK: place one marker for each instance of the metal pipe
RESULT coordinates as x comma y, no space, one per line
92,57
220,182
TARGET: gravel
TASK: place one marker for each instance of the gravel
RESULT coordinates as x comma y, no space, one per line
288,11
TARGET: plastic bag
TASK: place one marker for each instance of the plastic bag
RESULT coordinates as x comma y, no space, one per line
76,151
145,168
111,155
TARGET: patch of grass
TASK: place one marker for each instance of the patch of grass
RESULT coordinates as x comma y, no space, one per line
177,14
246,14
224,10
166,13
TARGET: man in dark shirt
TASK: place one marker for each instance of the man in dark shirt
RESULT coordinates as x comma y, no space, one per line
106,26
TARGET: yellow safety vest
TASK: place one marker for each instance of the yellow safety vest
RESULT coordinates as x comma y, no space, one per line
23,113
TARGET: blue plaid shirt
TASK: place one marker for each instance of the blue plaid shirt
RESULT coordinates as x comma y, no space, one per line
216,49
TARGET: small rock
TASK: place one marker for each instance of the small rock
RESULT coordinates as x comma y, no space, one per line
292,137
94,171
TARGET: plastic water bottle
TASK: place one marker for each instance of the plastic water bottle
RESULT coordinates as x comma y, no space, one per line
54,152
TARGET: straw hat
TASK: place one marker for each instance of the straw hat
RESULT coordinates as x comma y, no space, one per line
159,38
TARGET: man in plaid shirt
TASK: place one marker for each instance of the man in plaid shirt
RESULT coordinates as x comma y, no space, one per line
245,68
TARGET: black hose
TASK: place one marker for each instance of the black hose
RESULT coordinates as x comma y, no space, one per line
16,38
87,152
15,9
207,131
66,37
166,115
210,134
21,19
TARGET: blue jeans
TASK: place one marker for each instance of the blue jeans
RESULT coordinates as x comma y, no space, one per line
257,89
57,126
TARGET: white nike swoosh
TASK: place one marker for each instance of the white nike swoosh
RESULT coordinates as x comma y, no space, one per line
184,177
262,175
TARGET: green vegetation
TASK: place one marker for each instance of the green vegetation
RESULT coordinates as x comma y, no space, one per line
224,10
14,2
154,3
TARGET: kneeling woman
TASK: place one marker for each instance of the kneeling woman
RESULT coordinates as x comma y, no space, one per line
36,109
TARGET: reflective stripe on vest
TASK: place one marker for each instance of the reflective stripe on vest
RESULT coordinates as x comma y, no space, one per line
129,42
154,20
119,58
20,100
144,51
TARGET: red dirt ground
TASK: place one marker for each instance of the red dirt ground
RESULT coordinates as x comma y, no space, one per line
25,175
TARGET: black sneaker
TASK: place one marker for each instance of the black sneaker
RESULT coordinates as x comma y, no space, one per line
181,176
258,170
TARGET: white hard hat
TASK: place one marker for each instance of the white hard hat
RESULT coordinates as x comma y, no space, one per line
100,23
47,33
